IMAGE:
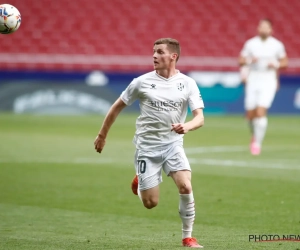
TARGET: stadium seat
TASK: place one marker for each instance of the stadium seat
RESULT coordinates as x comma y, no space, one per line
100,27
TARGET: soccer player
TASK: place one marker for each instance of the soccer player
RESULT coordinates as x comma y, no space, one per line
263,56
164,96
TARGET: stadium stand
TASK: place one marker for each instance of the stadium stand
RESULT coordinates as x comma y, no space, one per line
118,34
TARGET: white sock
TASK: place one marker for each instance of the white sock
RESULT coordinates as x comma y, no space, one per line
187,214
139,194
260,127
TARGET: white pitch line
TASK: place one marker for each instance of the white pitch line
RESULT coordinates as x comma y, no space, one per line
215,149
293,128
53,160
191,151
234,163
230,148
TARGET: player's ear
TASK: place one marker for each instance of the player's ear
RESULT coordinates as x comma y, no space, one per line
174,56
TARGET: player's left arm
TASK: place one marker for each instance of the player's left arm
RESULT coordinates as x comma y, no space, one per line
196,105
282,62
195,123
278,80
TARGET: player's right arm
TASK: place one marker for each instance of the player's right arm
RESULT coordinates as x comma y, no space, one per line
246,57
242,60
111,116
128,96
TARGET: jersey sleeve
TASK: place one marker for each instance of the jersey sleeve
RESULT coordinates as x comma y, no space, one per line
281,51
195,99
246,50
131,93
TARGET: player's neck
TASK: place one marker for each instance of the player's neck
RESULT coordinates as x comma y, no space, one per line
264,38
167,73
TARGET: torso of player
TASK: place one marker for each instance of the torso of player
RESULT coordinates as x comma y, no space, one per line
265,51
162,103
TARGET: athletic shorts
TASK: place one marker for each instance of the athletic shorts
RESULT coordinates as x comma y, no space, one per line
149,165
260,90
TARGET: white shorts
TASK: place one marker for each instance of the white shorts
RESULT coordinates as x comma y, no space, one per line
149,165
260,90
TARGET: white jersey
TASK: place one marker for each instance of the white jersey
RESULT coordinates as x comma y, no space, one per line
266,51
162,103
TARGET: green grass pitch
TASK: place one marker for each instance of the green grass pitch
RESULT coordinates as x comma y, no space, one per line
57,193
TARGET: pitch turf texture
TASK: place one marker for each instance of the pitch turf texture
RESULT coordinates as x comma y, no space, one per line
57,193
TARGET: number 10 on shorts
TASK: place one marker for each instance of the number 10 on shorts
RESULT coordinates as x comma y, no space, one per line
141,166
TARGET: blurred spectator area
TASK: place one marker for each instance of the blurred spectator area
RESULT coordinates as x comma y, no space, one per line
119,34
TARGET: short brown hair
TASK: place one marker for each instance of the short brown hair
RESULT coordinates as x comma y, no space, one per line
268,20
172,44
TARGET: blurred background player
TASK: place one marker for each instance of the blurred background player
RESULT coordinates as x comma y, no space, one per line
244,72
261,58
164,95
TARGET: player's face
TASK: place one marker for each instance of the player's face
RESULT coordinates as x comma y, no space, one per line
264,29
162,57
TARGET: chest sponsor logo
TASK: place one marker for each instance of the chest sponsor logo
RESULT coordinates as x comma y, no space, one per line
166,105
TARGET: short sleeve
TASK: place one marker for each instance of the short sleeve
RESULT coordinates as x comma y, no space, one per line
195,99
246,50
131,93
281,51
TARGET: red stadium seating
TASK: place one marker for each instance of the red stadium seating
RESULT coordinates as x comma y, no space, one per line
103,28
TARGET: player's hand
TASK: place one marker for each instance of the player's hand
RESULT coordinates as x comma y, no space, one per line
180,128
273,65
99,143
254,60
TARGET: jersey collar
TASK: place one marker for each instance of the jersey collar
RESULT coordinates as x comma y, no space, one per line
167,79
